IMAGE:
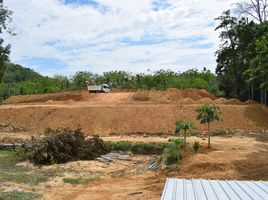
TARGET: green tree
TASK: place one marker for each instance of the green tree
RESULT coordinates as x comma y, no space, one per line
240,59
259,67
81,79
5,18
183,126
208,113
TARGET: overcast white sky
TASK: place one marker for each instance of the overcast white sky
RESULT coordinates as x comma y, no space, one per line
62,37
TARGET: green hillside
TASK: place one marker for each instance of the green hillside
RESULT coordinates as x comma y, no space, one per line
16,73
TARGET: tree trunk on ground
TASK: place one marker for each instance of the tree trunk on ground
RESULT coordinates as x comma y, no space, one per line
209,135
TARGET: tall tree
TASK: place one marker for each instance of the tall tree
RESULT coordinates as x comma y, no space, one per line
257,9
82,78
238,58
259,67
227,55
5,18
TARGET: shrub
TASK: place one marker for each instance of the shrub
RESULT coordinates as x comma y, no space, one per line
196,146
183,126
137,148
63,145
172,153
194,132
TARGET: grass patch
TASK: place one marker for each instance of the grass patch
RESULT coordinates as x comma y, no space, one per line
26,176
19,195
9,172
78,181
137,148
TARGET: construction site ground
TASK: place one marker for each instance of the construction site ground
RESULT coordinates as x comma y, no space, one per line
242,156
127,112
138,116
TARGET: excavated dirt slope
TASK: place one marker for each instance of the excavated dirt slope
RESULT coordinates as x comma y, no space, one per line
123,112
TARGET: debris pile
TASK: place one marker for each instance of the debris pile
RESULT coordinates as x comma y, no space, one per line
112,157
63,145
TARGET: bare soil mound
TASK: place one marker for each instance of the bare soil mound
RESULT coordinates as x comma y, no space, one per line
197,94
173,95
186,101
234,102
205,100
221,101
61,96
249,102
141,96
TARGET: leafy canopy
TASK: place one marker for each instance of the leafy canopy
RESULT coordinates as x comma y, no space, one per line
183,125
208,113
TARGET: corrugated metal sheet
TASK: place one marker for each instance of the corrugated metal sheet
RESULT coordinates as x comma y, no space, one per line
181,189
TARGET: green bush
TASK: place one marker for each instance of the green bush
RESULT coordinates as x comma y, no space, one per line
196,146
194,132
63,145
137,148
172,152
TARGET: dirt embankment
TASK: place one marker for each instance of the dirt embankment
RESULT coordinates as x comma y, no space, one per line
61,96
172,95
130,118
122,112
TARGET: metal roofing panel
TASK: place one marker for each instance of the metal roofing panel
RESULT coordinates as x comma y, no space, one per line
199,189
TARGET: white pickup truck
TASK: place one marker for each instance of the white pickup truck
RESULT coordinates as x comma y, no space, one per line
98,88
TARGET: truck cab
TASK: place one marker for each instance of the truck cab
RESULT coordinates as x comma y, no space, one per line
105,88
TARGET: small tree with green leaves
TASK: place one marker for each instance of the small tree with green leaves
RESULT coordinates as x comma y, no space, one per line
183,126
208,113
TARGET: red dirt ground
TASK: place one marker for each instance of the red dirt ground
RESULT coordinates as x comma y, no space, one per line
119,112
241,157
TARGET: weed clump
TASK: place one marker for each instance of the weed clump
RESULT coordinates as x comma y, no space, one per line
172,152
196,146
63,145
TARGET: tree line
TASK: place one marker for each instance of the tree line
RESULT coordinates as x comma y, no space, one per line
242,59
20,81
